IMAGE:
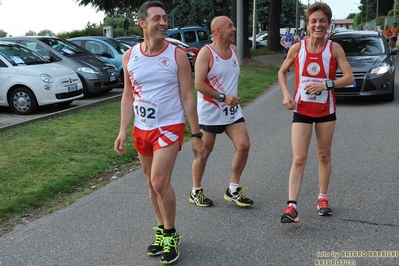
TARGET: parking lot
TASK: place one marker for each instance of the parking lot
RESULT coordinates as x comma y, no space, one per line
8,119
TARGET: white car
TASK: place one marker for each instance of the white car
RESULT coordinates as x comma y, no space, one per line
28,80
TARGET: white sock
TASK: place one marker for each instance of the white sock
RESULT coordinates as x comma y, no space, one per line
322,196
292,204
233,187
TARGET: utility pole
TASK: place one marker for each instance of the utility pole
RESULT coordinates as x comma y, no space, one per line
254,27
296,18
376,15
240,31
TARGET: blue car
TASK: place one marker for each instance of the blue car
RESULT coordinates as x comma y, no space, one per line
109,49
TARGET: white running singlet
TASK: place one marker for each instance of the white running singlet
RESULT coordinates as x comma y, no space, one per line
155,87
223,78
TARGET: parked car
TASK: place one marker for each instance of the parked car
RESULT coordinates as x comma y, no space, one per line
194,36
95,74
109,49
372,63
132,39
191,52
28,80
261,40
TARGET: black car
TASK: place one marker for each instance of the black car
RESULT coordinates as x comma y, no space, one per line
372,62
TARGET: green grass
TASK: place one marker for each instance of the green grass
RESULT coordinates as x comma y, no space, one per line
48,164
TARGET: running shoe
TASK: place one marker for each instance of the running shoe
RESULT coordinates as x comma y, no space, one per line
200,199
290,215
156,248
170,251
238,197
322,207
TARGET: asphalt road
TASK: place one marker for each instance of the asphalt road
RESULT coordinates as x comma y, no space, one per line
112,226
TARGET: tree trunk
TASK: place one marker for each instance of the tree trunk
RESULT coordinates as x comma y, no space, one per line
273,39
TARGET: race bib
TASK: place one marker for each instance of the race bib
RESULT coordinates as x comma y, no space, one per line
320,97
146,112
228,113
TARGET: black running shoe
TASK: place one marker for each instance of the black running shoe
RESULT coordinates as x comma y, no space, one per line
290,215
322,207
238,197
200,199
156,248
170,251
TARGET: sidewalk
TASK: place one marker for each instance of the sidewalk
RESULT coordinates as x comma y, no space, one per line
273,59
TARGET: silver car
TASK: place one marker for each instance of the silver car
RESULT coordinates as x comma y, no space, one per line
96,74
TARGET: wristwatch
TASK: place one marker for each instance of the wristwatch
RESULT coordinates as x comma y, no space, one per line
221,97
329,84
197,135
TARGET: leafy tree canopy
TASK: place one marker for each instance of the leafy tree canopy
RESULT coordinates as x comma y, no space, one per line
3,33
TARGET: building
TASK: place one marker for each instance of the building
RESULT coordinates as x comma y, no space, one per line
342,23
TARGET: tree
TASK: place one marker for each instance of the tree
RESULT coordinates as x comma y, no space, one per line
46,33
3,33
351,16
111,6
273,39
30,33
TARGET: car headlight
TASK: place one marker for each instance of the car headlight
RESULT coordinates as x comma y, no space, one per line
379,70
46,78
191,53
87,70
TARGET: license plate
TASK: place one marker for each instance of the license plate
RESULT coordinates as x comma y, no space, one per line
72,88
351,86
112,78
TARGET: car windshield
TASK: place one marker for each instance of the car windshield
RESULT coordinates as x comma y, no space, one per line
63,46
19,55
121,47
361,46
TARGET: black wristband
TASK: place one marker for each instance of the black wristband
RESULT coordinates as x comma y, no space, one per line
197,135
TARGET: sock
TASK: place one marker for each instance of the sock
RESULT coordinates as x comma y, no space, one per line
322,196
292,203
169,232
233,187
195,189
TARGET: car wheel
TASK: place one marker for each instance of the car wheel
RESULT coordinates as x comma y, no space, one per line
85,89
22,101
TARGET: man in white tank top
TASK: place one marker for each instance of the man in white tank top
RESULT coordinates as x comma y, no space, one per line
216,78
157,90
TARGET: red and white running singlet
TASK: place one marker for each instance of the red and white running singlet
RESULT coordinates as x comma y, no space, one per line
155,87
314,68
223,78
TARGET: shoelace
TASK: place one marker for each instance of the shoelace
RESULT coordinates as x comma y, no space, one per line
242,191
323,202
158,237
169,242
200,195
290,210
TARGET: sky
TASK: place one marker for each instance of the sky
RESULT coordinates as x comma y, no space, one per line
20,16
